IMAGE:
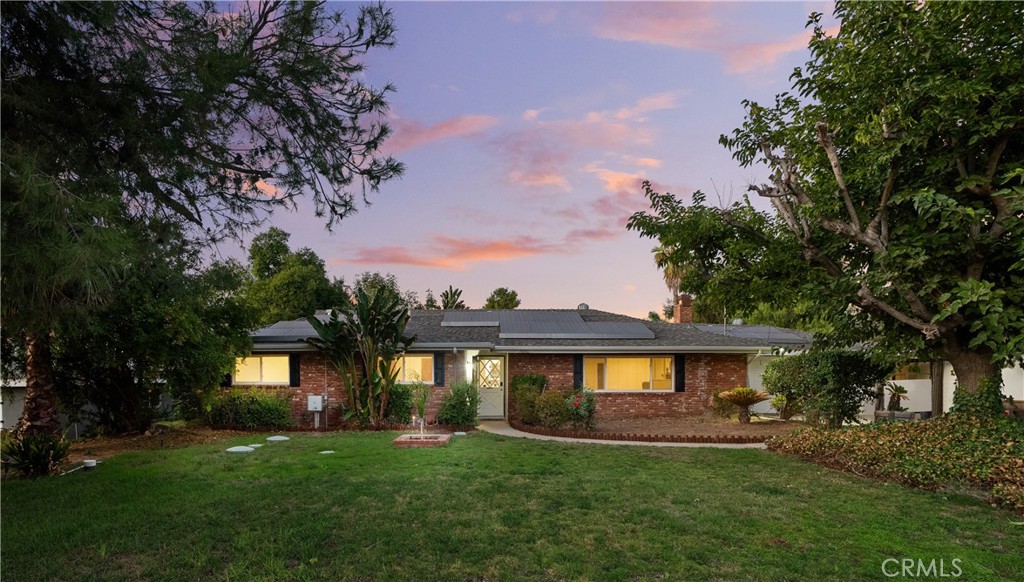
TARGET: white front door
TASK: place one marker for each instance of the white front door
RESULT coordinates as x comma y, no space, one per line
490,379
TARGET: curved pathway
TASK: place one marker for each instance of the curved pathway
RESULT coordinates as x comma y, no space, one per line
501,427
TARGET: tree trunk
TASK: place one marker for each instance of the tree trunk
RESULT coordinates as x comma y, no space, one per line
971,368
40,414
936,376
744,414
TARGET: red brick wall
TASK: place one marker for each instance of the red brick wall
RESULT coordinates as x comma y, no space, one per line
706,374
557,367
316,374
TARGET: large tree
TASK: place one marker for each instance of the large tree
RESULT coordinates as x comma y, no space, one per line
897,185
119,112
289,284
167,327
502,298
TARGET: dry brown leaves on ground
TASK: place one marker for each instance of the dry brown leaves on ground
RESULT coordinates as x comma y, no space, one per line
699,425
160,437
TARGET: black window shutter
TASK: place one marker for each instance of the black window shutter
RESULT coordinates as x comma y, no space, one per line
577,371
439,368
294,377
680,373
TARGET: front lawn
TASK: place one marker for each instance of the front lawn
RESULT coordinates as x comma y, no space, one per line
486,508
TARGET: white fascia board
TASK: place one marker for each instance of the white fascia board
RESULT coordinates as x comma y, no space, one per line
258,347
633,349
449,345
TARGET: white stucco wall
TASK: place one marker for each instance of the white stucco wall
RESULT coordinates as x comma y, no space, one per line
755,370
11,405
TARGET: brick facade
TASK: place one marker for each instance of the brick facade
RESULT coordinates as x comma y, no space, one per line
705,375
557,367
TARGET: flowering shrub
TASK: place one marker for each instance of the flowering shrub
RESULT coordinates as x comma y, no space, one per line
985,453
582,405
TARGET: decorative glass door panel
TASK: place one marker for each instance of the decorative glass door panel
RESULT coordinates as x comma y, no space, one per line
490,379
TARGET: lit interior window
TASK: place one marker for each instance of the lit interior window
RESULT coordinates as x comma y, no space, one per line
261,370
628,373
416,368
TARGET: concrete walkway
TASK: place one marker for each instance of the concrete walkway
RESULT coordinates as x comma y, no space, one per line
501,427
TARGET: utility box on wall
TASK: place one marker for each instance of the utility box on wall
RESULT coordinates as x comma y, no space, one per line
316,403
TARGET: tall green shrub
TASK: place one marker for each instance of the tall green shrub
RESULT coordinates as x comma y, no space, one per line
788,378
523,393
830,385
552,409
459,408
250,409
400,404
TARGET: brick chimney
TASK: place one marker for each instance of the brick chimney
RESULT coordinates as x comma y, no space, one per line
683,311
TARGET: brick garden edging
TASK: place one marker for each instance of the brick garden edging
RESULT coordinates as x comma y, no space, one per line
643,438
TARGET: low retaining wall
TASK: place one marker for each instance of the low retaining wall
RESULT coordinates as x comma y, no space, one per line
643,438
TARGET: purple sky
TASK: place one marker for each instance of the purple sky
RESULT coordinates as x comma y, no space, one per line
527,128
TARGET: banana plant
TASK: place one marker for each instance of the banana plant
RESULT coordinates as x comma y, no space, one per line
364,340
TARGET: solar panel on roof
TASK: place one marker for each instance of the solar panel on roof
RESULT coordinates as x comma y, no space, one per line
470,319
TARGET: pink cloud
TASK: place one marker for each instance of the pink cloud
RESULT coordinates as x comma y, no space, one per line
452,253
411,134
750,57
644,162
685,25
695,26
539,154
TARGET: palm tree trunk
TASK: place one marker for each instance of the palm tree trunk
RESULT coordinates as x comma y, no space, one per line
40,414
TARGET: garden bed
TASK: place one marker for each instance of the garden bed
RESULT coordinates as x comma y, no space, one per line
699,429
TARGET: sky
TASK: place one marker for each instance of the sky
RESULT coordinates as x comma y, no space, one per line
527,129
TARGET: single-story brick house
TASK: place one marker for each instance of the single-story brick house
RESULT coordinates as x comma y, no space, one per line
638,368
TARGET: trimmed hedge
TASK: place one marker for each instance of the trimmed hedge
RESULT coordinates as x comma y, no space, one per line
250,409
952,450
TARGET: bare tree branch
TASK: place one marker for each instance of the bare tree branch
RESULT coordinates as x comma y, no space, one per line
825,139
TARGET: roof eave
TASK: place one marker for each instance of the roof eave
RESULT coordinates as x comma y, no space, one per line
634,349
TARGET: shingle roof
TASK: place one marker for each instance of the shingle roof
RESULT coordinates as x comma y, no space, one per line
554,330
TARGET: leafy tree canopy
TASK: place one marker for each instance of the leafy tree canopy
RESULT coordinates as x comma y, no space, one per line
371,282
119,114
897,185
289,285
167,327
502,298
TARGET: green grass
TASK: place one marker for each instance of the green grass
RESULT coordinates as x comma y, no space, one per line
485,508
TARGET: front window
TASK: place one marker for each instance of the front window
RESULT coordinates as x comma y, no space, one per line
262,370
415,368
628,373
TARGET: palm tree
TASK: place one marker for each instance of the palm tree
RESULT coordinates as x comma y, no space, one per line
59,253
672,273
744,398
451,299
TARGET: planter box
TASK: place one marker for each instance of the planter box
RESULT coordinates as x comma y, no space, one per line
422,440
